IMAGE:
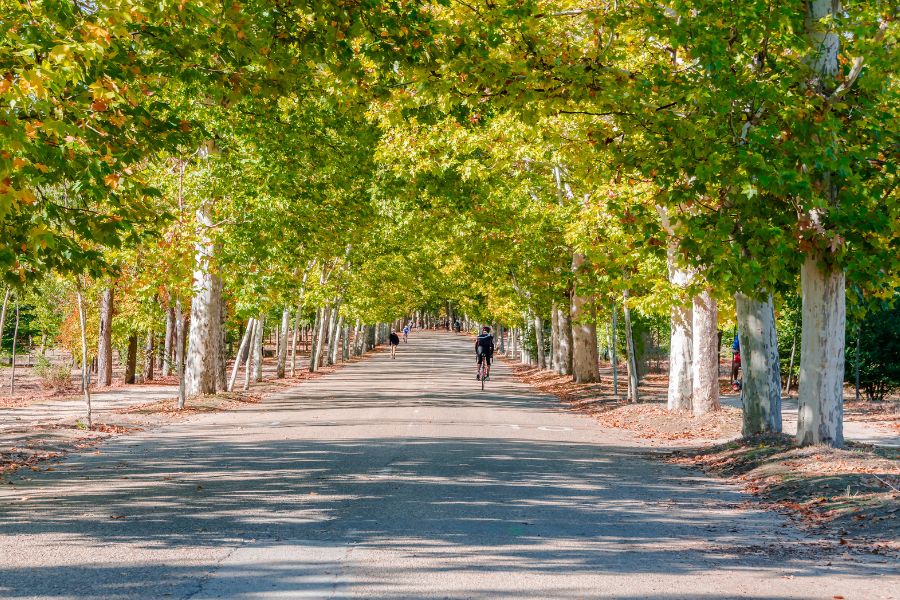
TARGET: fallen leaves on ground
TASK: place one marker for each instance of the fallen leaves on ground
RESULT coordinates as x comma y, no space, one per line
851,493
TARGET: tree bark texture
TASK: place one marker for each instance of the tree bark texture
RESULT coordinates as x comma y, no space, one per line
242,353
283,343
705,355
631,358
539,342
564,320
761,389
104,339
200,376
168,345
585,360
85,370
258,348
131,359
821,398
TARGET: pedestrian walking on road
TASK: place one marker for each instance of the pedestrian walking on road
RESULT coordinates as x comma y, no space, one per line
394,341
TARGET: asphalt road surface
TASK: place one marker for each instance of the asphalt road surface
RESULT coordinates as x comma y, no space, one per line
402,479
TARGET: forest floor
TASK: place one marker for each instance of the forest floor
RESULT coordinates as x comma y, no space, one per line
852,494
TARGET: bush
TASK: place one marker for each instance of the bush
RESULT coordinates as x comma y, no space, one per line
53,377
879,353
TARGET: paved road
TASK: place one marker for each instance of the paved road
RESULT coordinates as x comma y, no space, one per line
400,479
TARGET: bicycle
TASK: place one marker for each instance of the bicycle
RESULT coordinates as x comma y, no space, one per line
484,371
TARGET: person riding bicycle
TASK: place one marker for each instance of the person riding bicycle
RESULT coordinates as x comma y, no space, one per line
405,333
484,348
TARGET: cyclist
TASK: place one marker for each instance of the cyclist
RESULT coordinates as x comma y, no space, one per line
394,341
406,333
484,349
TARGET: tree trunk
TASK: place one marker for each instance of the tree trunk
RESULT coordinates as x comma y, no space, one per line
258,348
219,334
631,358
820,394
821,416
179,354
104,343
680,363
336,342
148,357
168,345
314,338
12,373
324,322
3,315
242,354
612,352
787,385
251,352
283,343
203,346
705,355
761,390
370,337
554,338
294,341
539,342
564,324
131,359
85,371
585,361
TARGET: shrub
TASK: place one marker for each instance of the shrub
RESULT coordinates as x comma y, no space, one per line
53,377
879,353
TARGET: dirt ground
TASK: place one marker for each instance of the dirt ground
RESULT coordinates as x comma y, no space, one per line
36,443
851,493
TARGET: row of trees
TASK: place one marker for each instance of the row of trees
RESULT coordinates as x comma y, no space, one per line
530,162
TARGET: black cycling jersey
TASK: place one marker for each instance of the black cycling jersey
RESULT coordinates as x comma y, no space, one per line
484,343
394,339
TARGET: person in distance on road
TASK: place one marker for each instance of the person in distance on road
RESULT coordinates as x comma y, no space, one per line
406,333
484,349
394,341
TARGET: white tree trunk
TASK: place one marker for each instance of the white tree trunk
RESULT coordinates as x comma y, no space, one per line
251,352
200,376
320,339
219,333
539,342
680,351
169,341
283,343
294,341
179,354
761,390
258,349
242,355
554,338
821,416
104,340
85,368
631,358
12,372
705,355
612,352
336,342
564,319
3,314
